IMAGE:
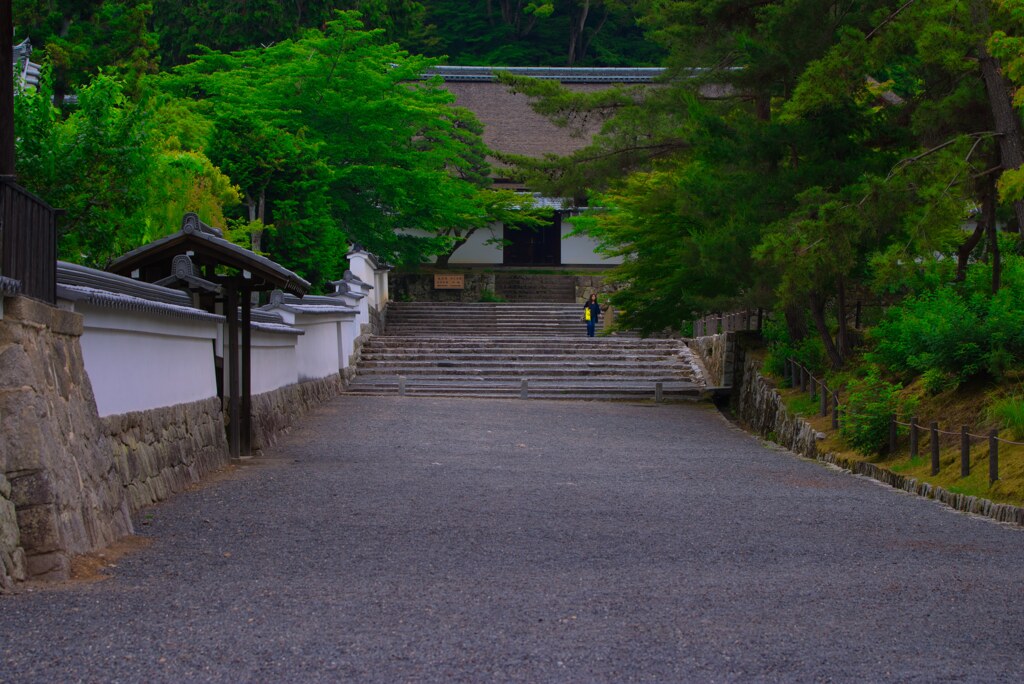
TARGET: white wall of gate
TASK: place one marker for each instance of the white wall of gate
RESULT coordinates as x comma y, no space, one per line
142,354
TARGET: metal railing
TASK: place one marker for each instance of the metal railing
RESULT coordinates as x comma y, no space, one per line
28,241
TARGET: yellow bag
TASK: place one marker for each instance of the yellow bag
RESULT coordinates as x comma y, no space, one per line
586,313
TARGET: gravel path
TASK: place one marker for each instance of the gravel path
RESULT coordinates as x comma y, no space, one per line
535,541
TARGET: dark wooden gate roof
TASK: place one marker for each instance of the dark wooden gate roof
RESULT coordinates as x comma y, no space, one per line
208,250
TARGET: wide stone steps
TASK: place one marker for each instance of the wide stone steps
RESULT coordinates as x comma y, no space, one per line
492,349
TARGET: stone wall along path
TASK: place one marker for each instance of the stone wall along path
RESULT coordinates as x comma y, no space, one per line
411,539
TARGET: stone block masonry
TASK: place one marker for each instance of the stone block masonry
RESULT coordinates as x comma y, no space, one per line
160,452
60,493
274,412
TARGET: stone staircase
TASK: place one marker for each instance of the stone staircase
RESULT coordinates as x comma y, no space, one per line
489,350
527,287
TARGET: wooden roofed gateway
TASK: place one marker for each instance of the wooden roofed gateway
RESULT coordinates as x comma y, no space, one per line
218,274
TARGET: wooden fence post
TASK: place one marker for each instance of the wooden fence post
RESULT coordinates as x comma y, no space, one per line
993,457
913,437
810,386
835,410
823,401
965,452
934,427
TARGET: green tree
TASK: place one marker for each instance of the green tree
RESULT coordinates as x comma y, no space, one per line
383,158
81,37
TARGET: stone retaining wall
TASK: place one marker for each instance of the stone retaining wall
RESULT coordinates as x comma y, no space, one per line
419,287
160,452
273,413
716,355
57,476
759,406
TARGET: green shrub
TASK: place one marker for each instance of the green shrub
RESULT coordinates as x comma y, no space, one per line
1009,413
956,332
866,412
490,296
809,352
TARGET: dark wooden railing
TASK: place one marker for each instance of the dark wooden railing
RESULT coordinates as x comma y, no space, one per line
28,241
713,324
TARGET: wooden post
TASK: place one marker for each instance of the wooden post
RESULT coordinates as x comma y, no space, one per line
401,385
760,319
993,457
934,428
965,452
892,434
913,437
234,410
524,389
245,423
6,89
823,401
659,392
810,387
835,410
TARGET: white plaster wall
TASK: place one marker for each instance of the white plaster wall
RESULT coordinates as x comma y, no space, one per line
348,331
381,285
359,264
138,361
477,251
582,249
317,350
274,361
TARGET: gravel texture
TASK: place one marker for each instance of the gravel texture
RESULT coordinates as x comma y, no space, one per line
393,539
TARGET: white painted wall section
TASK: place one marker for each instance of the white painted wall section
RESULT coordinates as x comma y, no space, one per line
275,363
478,250
581,250
138,361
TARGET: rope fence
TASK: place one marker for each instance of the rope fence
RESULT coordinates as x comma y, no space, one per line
800,377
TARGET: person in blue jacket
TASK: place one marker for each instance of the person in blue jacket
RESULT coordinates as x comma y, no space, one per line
591,311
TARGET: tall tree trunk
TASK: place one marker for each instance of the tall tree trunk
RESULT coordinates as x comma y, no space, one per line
1007,123
576,26
843,334
989,220
818,316
796,322
963,252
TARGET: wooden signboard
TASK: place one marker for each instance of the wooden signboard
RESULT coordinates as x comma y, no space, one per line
449,281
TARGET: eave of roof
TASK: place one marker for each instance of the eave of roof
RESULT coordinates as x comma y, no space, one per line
117,300
193,238
75,274
9,286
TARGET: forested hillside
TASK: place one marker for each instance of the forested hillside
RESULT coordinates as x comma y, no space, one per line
801,155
